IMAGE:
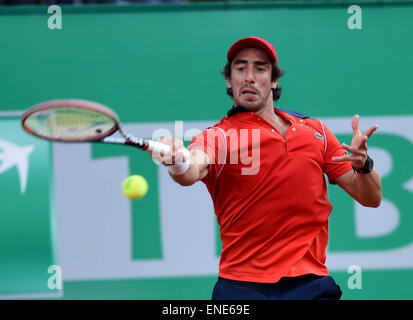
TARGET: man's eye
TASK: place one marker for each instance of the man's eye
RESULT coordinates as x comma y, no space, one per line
260,69
240,68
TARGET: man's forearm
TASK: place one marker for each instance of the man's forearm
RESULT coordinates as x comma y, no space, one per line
189,177
198,168
367,189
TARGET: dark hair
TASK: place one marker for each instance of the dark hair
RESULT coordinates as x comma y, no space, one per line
276,72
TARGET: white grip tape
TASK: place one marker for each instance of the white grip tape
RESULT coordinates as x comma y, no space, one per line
158,147
181,168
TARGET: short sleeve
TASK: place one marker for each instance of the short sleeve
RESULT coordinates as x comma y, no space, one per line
333,148
211,141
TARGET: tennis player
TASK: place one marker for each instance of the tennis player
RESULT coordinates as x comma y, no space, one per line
264,169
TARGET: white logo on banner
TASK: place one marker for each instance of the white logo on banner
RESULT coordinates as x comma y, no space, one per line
13,155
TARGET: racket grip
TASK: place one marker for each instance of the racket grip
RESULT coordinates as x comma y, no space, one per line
165,149
158,147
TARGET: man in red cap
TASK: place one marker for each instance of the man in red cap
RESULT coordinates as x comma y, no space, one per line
264,169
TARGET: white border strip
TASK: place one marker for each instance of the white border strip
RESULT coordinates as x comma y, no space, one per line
32,296
14,113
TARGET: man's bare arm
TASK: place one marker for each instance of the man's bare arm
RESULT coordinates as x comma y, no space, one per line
364,188
198,169
198,162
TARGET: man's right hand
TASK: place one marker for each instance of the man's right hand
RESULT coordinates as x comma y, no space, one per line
175,157
198,165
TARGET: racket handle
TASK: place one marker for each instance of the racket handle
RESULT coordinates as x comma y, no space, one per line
165,149
158,147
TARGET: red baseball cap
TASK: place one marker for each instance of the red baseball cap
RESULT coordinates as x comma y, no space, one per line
252,42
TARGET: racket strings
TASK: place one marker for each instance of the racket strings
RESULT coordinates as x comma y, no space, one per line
71,124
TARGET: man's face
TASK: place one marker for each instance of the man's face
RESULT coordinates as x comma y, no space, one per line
251,79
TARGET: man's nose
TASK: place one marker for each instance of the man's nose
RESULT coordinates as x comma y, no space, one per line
250,76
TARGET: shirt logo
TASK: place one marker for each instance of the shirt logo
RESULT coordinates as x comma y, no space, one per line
319,136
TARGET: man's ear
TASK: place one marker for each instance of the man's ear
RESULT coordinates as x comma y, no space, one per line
274,84
229,83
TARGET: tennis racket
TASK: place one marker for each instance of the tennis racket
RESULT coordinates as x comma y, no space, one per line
82,121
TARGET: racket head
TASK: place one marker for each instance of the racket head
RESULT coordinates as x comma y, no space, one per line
70,120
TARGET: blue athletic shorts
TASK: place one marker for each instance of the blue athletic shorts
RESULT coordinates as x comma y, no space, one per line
306,287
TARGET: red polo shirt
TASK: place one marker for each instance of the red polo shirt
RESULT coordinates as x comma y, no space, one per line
270,195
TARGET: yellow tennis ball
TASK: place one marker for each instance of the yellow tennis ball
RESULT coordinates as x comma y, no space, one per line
135,187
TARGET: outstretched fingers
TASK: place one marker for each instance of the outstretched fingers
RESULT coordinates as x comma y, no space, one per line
371,130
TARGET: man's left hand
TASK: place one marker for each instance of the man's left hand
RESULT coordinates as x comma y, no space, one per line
358,147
